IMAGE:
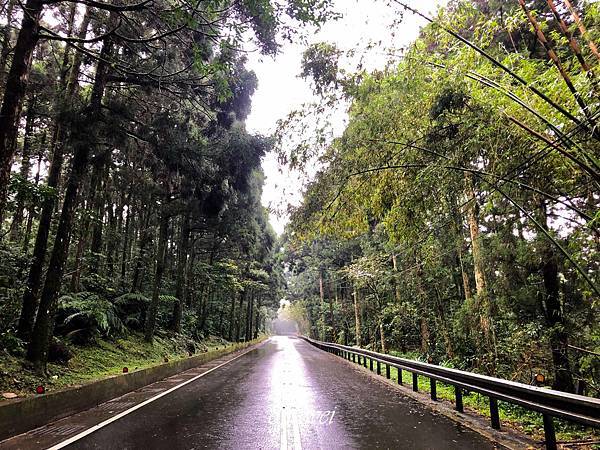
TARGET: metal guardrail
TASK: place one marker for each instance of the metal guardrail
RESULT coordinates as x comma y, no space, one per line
550,403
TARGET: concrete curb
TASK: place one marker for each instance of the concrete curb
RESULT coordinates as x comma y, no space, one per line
21,415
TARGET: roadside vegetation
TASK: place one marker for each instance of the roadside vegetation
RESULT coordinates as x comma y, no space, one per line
87,363
456,218
131,227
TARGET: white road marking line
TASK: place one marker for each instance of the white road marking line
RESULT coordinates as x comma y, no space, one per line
296,427
283,443
138,406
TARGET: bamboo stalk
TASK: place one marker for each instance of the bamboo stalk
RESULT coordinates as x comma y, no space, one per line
562,136
574,46
496,63
555,146
481,175
504,179
582,29
555,59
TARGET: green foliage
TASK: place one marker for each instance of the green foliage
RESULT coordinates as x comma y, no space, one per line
13,263
131,309
85,313
441,221
29,191
320,63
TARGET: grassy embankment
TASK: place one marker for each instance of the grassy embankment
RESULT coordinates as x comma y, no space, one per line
98,360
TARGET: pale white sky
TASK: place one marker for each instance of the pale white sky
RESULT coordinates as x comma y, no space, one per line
281,91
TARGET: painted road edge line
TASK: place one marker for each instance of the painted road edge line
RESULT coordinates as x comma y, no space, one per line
97,427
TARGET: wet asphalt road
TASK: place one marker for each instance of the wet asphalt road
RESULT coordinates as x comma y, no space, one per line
288,395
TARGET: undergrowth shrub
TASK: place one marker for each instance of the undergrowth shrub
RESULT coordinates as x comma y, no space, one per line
84,315
131,308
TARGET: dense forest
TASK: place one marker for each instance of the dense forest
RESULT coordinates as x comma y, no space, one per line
129,187
455,220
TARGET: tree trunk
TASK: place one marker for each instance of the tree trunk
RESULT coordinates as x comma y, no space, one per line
221,316
17,222
83,229
34,279
189,279
423,310
144,239
397,293
6,40
32,207
98,207
443,326
460,250
345,314
331,315
382,336
158,276
249,313
181,283
125,251
559,337
44,324
357,317
231,317
115,231
238,324
206,308
483,301
323,335
257,321
14,92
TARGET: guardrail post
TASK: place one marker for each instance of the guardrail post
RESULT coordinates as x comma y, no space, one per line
399,375
494,415
415,382
353,357
378,367
387,371
371,364
459,399
549,433
433,389
365,361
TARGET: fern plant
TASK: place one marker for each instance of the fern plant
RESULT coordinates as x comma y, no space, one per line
164,314
131,308
86,313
